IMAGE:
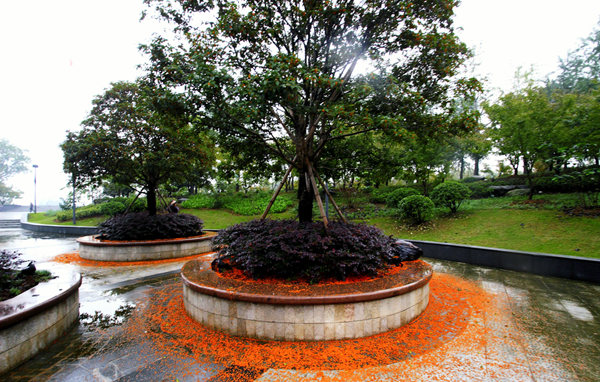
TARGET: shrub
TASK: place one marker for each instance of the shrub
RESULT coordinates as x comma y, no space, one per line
200,201
395,197
141,226
450,194
112,207
480,190
417,208
379,195
288,249
80,213
255,203
13,280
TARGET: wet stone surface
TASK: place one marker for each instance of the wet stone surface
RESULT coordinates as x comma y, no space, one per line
534,328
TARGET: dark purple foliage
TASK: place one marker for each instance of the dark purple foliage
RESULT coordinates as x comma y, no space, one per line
142,226
288,249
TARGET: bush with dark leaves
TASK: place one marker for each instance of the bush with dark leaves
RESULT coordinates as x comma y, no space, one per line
141,226
287,249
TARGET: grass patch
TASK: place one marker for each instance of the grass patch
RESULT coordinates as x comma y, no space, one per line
531,230
44,218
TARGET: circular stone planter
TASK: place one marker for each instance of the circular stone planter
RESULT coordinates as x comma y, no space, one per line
92,248
303,312
35,318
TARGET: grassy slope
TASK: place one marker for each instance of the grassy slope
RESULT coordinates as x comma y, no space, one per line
529,230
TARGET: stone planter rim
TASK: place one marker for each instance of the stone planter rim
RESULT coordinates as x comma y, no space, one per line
41,296
341,298
92,240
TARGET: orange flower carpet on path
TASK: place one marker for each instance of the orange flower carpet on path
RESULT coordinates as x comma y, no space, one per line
75,259
449,335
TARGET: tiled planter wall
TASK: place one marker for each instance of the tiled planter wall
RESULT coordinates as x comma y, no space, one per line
93,249
305,322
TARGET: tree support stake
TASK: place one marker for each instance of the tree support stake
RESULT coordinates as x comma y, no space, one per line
277,191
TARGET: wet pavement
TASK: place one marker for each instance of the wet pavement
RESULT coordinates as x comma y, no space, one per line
533,328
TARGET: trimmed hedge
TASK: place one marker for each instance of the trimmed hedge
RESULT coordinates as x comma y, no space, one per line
200,201
110,207
287,249
141,226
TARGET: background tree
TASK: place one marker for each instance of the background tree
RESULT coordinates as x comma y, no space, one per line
137,134
522,123
12,161
279,77
579,72
576,88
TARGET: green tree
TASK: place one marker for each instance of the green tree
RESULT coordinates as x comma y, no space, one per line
136,134
576,88
12,161
277,78
579,72
523,122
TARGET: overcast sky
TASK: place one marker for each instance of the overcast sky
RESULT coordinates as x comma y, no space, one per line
57,55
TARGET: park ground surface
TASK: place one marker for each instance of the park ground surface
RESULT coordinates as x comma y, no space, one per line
546,225
481,324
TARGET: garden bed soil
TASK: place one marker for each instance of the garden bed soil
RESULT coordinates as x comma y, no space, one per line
26,282
580,211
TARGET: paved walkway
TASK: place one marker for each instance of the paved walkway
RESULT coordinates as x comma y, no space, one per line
504,326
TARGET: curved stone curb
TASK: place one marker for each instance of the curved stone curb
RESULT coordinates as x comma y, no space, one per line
61,229
306,313
91,248
35,318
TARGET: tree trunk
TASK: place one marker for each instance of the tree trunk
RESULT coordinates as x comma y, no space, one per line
151,199
462,167
305,198
476,166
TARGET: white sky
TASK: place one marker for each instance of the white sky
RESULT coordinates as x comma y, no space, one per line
57,55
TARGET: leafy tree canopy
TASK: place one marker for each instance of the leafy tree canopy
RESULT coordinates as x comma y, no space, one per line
136,134
12,161
279,79
580,70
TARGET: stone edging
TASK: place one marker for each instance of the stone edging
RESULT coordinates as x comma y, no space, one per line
571,267
91,248
35,318
295,312
61,229
306,300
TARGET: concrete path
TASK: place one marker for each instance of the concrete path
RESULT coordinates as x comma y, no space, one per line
517,327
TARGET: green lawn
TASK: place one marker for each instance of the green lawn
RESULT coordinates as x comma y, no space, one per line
532,230
43,218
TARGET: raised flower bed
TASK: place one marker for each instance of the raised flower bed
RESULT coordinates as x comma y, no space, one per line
302,311
36,317
92,248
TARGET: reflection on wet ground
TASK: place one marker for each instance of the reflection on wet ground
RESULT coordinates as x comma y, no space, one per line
531,328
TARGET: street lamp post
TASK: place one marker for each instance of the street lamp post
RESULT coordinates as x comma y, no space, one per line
35,166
